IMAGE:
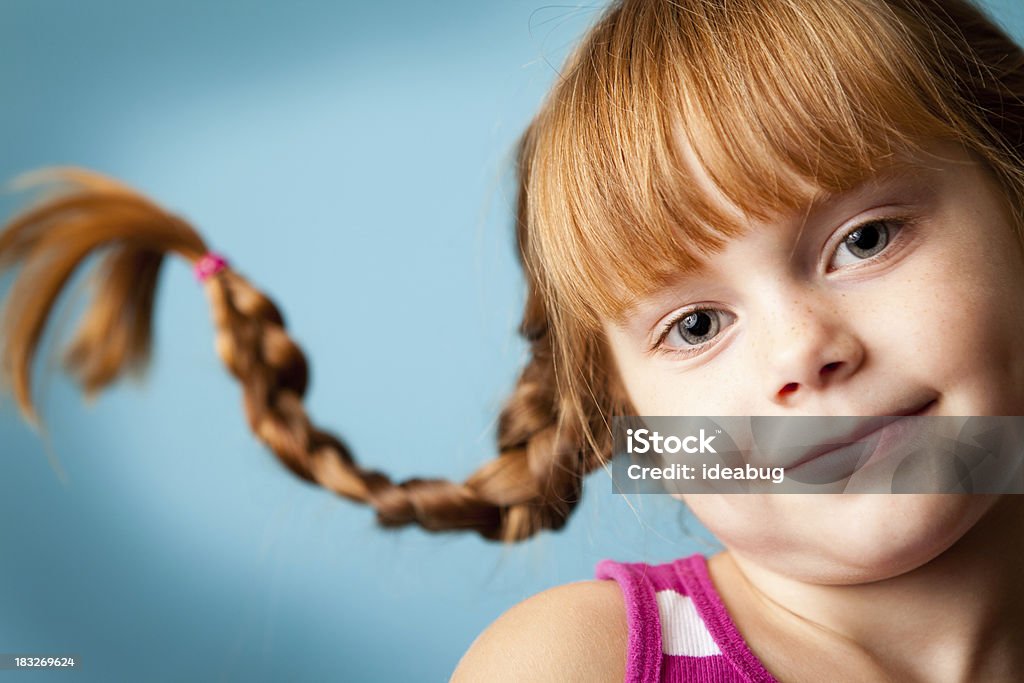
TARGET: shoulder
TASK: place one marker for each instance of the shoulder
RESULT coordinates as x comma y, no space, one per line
573,632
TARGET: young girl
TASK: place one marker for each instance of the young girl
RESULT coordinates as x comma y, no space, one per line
752,207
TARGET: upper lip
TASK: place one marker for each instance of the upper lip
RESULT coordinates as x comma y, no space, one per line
864,427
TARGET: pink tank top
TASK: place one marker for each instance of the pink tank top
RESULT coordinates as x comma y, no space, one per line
679,630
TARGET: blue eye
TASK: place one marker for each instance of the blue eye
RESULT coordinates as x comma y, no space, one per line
694,329
699,326
863,242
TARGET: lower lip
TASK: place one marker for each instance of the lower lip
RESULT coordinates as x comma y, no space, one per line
840,464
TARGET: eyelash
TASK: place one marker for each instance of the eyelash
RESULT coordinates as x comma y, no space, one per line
897,223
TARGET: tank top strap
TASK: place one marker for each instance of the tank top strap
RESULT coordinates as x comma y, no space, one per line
692,575
635,579
679,629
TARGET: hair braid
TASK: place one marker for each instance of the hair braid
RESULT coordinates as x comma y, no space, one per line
533,484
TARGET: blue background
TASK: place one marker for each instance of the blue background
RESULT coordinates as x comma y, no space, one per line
353,160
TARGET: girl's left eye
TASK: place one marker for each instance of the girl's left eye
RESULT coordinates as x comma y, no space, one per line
865,241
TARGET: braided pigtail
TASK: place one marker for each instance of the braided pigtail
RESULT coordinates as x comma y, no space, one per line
543,455
86,212
532,485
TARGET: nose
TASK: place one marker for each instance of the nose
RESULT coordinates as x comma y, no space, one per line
810,350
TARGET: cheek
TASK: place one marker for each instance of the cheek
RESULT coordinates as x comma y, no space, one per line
663,391
754,524
986,312
732,519
957,297
652,390
658,385
660,388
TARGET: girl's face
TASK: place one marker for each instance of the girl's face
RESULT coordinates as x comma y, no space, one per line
901,296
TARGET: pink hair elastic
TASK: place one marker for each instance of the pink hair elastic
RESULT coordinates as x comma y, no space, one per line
209,265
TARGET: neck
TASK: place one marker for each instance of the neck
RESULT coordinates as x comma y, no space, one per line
955,618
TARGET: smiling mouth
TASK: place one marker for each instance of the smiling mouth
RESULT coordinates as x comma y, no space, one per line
837,459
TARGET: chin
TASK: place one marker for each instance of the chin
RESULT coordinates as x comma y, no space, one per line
888,535
848,539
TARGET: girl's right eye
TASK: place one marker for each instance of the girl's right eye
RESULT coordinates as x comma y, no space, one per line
693,329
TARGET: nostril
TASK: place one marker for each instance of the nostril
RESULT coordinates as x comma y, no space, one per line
830,367
789,388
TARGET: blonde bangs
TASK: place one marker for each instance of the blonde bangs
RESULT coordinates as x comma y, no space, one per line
677,123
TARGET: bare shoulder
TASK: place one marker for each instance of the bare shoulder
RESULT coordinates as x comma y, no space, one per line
575,632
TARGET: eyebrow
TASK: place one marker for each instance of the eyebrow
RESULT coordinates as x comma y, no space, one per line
909,173
914,182
630,307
